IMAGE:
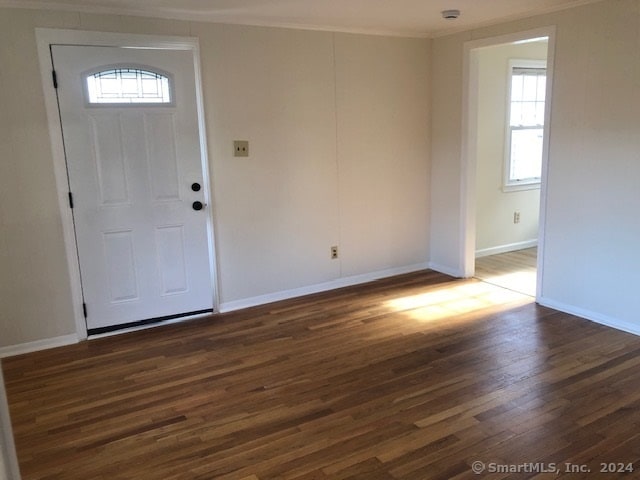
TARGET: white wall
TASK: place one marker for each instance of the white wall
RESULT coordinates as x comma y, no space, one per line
3,470
275,210
446,143
34,291
339,141
383,132
591,262
495,207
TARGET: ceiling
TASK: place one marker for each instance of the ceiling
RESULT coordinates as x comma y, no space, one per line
419,18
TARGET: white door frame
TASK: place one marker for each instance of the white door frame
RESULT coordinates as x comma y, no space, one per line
469,143
46,37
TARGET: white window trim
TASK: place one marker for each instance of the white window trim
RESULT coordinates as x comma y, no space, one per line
507,184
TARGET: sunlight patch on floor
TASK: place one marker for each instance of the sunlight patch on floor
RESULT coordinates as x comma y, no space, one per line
455,300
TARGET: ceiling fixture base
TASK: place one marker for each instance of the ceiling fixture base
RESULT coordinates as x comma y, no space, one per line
450,14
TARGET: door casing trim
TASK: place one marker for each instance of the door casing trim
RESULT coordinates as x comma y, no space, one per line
467,226
45,37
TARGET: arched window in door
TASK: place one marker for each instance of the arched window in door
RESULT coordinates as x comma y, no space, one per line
128,85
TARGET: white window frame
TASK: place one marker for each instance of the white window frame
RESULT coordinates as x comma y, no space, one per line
509,185
133,66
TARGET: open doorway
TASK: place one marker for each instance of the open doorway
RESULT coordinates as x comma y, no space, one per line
510,115
506,148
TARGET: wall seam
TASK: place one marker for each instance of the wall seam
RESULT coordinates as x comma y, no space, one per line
336,154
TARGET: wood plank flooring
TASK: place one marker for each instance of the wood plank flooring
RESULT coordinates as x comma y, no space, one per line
414,377
513,270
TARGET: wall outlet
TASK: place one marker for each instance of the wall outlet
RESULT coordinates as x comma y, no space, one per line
240,148
334,252
516,217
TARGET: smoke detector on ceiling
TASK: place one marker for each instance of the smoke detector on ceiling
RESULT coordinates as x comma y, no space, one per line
450,14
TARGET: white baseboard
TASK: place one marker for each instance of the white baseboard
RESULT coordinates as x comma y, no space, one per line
592,316
454,272
511,247
29,347
321,287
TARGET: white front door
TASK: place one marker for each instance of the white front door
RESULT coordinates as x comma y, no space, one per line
132,145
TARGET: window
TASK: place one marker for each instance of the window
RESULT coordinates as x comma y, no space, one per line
128,85
528,82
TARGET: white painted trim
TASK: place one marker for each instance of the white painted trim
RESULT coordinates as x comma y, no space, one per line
37,345
173,14
45,37
511,247
544,180
446,270
7,444
320,287
239,20
605,320
468,137
108,39
508,19
467,228
206,179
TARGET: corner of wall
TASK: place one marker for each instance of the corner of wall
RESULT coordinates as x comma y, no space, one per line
9,469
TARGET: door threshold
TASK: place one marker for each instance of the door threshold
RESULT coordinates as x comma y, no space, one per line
147,323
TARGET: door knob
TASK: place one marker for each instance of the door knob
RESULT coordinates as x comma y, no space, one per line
195,187
197,205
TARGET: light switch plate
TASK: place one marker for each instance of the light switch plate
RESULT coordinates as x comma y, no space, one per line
240,148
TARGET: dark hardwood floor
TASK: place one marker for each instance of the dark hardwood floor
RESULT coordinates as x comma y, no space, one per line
415,377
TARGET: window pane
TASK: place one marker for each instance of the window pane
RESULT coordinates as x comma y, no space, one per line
528,113
539,113
530,87
516,87
526,154
542,87
516,114
128,85
527,105
150,87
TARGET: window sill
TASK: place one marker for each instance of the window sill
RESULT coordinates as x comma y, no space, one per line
519,187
